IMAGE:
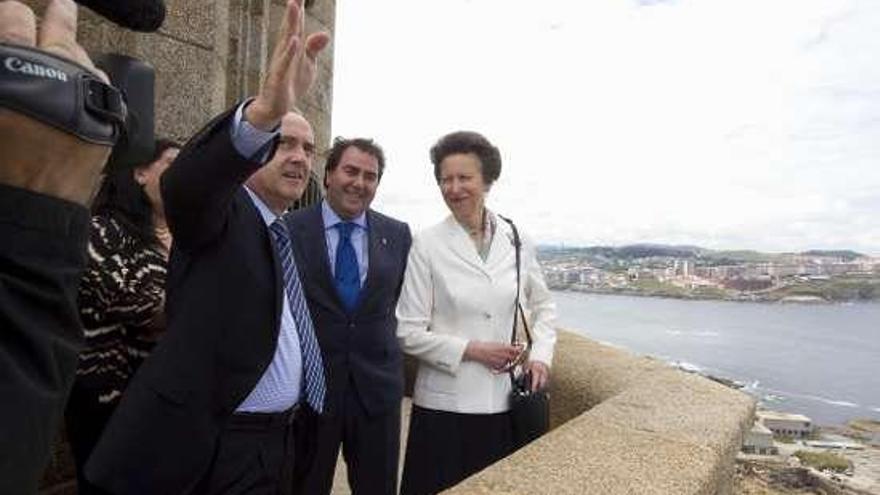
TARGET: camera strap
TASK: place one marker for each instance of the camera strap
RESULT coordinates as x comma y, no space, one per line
60,93
518,313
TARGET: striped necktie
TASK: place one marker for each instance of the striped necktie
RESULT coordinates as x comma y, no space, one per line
313,365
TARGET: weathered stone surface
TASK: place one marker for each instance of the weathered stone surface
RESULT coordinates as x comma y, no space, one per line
324,11
586,373
642,428
594,456
192,21
186,83
687,407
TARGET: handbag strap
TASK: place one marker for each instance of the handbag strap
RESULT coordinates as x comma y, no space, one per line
518,312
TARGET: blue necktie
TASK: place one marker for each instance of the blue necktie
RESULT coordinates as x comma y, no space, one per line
313,365
347,276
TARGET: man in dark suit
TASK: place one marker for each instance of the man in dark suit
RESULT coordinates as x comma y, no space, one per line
48,174
224,402
352,260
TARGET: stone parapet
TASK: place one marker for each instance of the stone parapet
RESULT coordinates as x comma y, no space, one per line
625,425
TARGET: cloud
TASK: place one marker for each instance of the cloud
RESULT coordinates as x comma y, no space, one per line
737,123
651,3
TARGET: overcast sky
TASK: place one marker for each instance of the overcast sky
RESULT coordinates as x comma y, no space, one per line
727,124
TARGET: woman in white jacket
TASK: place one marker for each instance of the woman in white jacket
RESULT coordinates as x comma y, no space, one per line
455,315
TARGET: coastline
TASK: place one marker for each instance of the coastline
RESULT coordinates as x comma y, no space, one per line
748,346
862,429
696,296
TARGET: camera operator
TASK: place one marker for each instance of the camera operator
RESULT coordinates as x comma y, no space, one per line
47,175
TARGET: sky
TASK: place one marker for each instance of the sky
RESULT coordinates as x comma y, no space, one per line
727,124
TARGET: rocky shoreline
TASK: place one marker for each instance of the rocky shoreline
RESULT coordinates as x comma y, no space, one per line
697,296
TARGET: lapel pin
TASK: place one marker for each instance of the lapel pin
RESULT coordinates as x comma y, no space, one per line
384,241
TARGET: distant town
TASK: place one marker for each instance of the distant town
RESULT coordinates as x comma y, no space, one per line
696,273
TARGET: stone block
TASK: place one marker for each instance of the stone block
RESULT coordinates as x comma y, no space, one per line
688,407
188,82
192,21
323,11
586,382
625,424
591,455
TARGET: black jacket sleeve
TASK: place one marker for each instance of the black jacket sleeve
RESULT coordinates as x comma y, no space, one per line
198,188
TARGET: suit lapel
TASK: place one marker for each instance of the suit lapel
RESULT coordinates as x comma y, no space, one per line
377,244
462,246
315,269
502,248
244,199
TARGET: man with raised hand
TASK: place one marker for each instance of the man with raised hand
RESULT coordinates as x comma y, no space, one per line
224,403
49,167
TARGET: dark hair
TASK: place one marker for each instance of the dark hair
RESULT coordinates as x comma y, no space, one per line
468,142
340,144
122,198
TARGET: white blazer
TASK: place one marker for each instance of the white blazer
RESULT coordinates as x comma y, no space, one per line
450,296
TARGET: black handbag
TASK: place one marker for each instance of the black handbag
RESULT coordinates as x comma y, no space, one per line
529,411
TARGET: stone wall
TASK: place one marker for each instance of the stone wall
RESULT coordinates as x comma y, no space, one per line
625,425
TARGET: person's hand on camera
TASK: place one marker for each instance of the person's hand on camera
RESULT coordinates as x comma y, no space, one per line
36,156
292,69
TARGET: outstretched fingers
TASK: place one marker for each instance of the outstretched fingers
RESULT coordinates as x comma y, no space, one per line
58,29
288,34
291,69
275,95
18,24
315,43
57,34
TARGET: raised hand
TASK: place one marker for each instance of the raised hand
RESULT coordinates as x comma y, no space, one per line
292,69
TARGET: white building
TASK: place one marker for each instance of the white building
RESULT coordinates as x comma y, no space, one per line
759,440
785,424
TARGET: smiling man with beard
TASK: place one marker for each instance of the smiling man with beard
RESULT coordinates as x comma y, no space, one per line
352,260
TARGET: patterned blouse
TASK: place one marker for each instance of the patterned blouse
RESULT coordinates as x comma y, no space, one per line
121,293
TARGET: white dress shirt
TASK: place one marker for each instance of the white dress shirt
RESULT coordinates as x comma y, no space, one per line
280,386
358,239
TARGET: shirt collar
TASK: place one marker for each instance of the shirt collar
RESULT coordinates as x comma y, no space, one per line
268,215
331,218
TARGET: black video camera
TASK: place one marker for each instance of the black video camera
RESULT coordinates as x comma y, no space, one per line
69,97
64,94
136,80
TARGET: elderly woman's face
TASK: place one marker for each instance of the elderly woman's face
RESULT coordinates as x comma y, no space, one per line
462,185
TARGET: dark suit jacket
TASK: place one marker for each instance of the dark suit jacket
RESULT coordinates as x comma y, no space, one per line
223,307
360,348
42,255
